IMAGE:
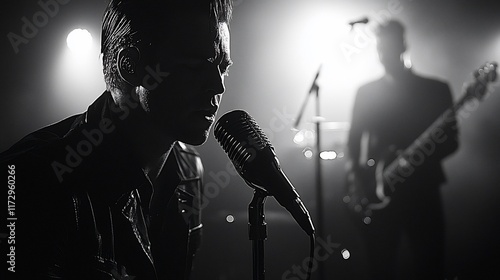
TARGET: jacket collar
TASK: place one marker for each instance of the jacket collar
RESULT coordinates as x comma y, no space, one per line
115,168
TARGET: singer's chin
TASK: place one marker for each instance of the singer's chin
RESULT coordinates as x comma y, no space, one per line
195,137
194,129
200,140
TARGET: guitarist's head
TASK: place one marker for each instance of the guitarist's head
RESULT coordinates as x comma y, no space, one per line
391,45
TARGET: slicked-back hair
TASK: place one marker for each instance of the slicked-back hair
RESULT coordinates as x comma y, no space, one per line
128,23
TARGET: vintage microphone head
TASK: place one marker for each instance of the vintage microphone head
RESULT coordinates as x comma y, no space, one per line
254,158
241,138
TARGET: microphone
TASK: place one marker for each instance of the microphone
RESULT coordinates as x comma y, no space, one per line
253,157
363,20
314,84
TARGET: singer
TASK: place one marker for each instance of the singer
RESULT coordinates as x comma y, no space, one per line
113,193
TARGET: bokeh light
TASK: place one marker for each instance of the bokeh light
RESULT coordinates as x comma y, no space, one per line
229,218
346,254
328,155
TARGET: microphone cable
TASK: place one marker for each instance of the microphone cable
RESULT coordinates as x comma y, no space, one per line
312,241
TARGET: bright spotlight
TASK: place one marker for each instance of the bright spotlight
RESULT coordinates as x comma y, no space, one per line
79,41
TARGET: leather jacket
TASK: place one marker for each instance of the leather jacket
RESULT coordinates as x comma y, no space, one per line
85,209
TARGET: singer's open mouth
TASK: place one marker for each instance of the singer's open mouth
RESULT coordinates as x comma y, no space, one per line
207,115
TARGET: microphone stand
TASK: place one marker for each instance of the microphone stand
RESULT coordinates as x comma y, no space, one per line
319,185
257,232
314,87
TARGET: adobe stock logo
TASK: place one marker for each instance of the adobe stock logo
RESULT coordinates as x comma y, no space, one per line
31,27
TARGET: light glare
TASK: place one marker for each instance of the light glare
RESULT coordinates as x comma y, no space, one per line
299,137
308,153
328,155
79,41
346,254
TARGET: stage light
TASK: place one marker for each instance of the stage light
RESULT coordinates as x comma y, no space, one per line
77,78
328,155
79,41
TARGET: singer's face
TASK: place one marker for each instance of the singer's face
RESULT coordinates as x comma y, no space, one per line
186,83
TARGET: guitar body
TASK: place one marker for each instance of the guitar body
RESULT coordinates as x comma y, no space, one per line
368,190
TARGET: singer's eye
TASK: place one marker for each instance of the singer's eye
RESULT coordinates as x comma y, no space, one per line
224,64
224,67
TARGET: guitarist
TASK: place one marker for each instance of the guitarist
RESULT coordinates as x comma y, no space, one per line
388,115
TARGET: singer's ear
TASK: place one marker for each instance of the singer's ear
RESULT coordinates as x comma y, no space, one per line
128,60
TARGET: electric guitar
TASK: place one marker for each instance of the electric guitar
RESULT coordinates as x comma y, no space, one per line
370,188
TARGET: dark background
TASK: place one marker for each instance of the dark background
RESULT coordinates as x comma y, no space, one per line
277,47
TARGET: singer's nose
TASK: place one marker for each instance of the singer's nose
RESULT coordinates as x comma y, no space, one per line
216,99
215,83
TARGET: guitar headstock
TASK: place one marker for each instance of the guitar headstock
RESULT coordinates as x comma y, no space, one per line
482,76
